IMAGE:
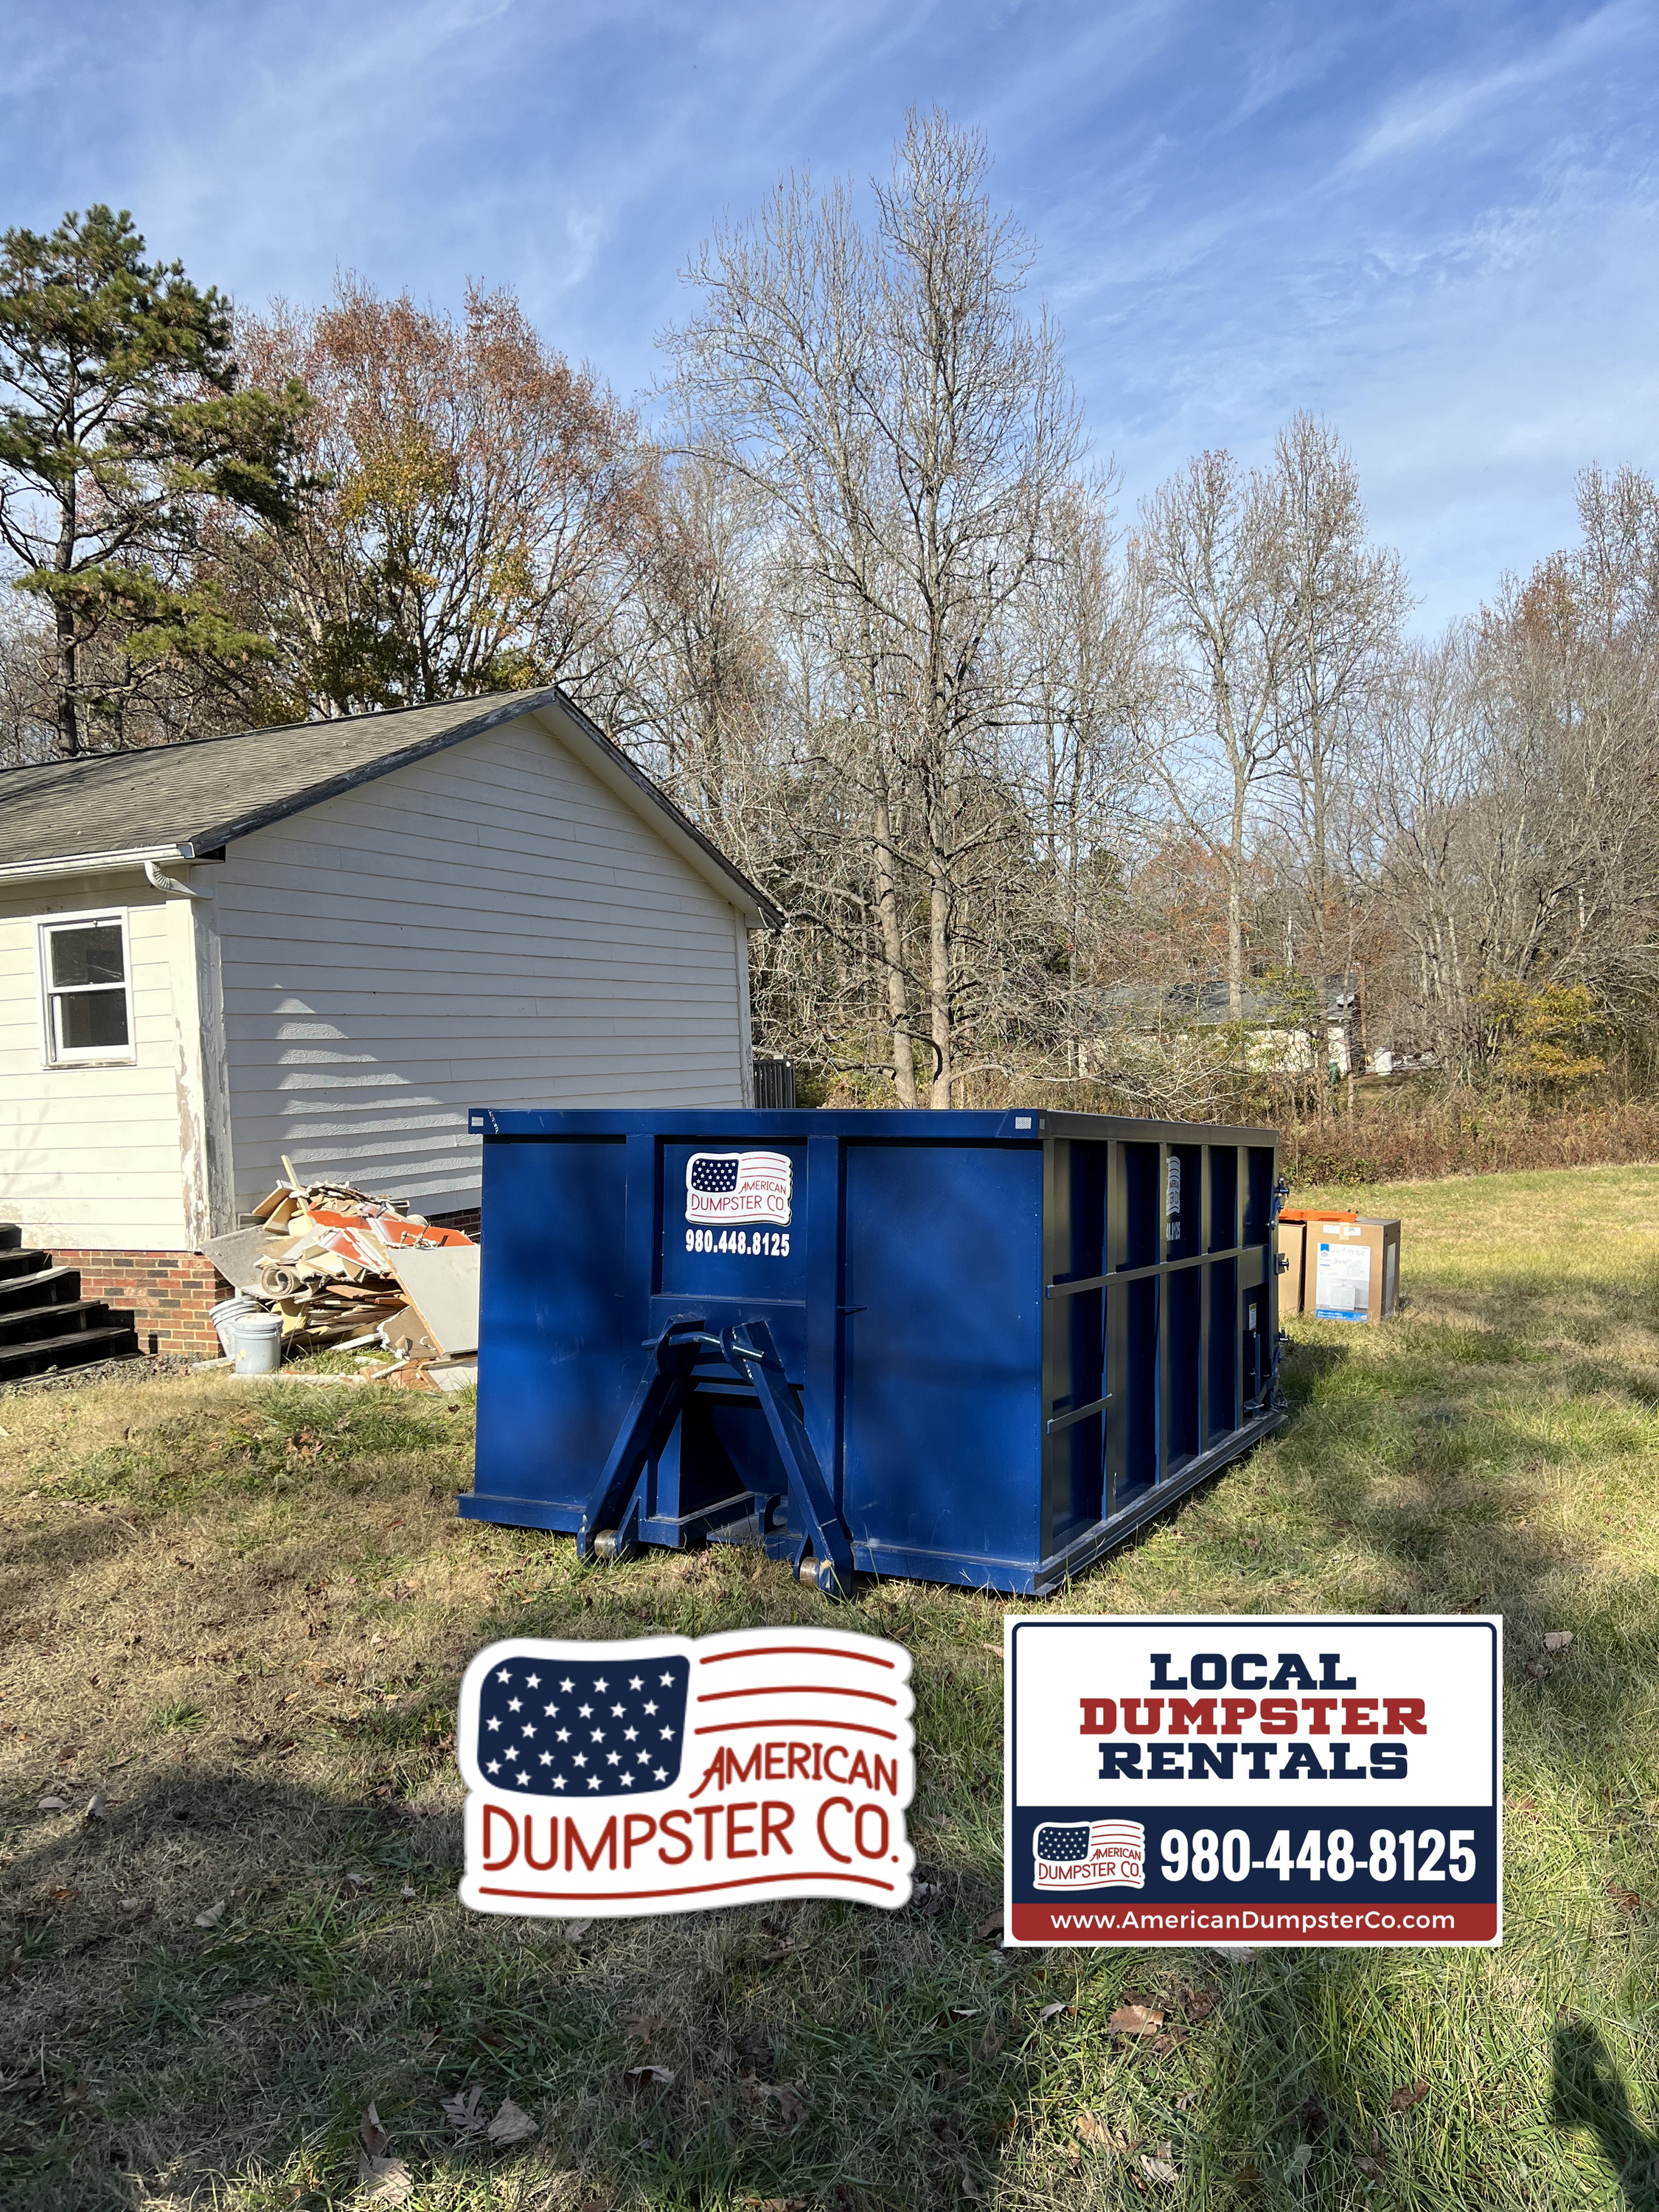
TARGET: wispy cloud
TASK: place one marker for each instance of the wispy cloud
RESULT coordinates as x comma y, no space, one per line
1450,103
1434,224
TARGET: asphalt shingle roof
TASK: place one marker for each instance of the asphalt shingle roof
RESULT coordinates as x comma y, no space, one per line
199,794
194,798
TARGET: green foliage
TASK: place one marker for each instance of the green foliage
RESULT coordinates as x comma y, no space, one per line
123,422
1539,1035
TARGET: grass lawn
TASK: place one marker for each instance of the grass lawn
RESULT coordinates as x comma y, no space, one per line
240,1611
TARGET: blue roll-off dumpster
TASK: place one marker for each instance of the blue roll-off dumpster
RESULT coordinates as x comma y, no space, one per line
965,1347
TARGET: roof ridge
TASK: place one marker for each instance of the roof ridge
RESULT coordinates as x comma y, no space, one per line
479,699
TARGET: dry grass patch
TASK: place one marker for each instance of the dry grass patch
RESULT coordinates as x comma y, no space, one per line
241,1612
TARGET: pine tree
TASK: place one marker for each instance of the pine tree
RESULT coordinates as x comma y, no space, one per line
122,425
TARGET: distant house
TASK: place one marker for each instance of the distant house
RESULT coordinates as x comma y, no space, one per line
328,941
1272,1042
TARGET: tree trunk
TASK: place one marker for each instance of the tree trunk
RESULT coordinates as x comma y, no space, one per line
68,721
938,981
69,717
892,954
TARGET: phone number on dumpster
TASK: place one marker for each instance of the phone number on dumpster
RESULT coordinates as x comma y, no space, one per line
747,1244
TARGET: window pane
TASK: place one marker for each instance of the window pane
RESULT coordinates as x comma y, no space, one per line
92,955
92,1021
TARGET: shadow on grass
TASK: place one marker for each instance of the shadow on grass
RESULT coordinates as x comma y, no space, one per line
858,2058
1588,2092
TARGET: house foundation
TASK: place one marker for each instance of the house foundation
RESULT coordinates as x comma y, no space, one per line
169,1295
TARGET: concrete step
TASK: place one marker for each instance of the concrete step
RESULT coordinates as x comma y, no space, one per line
49,1286
19,1361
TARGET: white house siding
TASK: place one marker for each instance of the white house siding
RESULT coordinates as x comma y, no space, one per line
92,1158
492,926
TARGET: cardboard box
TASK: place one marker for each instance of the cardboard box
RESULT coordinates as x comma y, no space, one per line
1352,1271
1291,1244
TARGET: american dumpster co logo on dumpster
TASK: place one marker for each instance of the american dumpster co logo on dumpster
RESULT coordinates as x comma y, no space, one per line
665,1775
727,1188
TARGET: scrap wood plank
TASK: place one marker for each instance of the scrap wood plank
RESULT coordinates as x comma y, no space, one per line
441,1284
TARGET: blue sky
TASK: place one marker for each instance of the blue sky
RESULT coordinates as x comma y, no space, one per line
1435,222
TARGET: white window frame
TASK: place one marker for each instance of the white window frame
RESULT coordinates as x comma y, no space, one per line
84,1055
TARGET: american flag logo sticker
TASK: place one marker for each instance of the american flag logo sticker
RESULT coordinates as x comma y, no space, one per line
734,1186
1090,1855
668,1775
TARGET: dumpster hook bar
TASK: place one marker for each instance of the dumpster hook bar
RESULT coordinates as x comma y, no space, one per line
610,1524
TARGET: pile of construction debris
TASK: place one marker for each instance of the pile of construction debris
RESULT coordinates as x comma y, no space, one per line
349,1272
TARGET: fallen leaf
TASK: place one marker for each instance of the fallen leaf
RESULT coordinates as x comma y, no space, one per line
1136,2020
96,1806
1626,1899
1090,2129
407,1893
987,1929
791,2108
376,2141
462,2112
1171,2038
1539,1670
648,2077
51,1805
1159,2169
775,1957
384,2181
642,2027
62,1896
1053,2011
510,2125
1374,2167
1525,1807
248,2004
490,2036
575,1930
1301,2160
1311,2116
212,1916
426,2038
989,2044
358,1882
1199,2004
1186,2100
1403,2099
1558,1639
1242,1952
130,1906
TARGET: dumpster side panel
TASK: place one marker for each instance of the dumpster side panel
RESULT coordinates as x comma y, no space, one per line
943,1357
555,1365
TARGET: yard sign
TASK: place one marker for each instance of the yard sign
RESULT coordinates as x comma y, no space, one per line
1329,1779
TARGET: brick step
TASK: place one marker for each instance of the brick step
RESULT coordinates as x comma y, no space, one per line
49,1286
22,1259
69,1317
119,1340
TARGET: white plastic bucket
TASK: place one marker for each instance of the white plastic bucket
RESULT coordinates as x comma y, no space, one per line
258,1341
224,1317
